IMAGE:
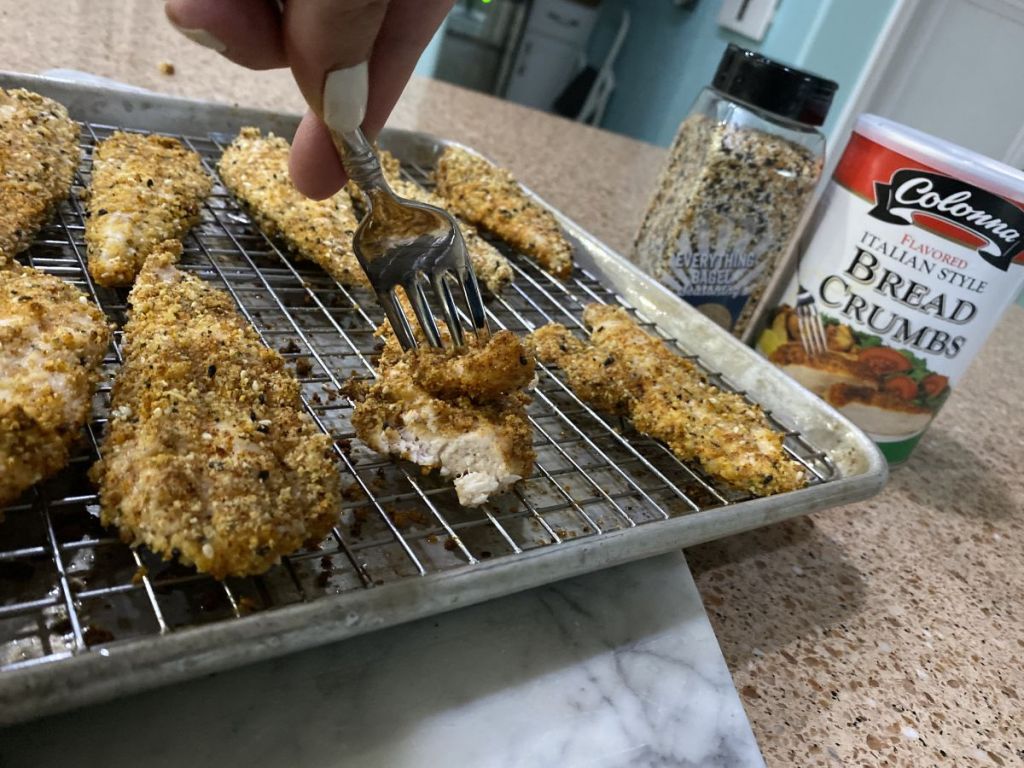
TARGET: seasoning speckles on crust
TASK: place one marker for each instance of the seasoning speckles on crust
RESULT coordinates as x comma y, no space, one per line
625,371
38,156
491,198
52,341
208,453
461,412
144,190
254,168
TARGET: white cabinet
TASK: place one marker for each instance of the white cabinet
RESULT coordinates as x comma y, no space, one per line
551,51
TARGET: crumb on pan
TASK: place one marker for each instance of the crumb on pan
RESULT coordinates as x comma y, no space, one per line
491,198
625,371
208,453
254,168
38,156
145,189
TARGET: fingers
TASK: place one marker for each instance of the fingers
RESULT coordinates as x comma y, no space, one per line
406,31
246,31
313,163
326,35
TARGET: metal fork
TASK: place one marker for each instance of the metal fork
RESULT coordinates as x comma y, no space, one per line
812,330
418,247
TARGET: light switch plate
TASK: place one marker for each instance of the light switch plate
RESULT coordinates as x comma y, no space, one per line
749,18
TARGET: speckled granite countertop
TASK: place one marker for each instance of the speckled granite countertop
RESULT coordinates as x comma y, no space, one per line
883,633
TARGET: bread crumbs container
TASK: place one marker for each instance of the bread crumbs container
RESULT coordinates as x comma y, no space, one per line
916,251
740,173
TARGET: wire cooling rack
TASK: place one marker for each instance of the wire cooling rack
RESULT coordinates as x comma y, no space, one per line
68,586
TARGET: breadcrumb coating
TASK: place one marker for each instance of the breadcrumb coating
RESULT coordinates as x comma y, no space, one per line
625,371
144,190
491,198
492,269
460,412
208,453
52,342
254,168
38,156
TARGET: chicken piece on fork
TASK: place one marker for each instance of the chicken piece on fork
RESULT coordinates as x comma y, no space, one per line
461,411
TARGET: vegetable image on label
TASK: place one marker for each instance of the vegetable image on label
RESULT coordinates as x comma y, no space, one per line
916,253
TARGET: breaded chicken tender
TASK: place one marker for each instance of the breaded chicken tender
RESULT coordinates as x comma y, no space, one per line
38,156
460,412
144,190
52,342
491,198
254,168
208,453
492,269
625,371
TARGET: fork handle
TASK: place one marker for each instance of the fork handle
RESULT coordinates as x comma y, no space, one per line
360,161
344,107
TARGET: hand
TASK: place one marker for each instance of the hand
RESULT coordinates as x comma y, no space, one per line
315,38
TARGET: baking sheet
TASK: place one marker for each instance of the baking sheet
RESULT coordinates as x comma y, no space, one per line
629,514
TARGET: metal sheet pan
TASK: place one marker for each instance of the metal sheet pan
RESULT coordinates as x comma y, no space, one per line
639,501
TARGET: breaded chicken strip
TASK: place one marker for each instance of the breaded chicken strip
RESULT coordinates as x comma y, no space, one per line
491,268
625,371
254,168
463,413
492,199
208,453
52,342
38,156
144,190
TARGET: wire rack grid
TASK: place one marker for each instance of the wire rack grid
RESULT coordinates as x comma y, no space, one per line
69,586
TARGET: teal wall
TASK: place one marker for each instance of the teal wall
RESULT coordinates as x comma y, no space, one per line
672,53
427,64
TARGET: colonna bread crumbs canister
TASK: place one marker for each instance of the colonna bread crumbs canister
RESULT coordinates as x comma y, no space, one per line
917,250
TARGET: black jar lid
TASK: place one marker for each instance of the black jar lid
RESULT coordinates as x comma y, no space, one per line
761,82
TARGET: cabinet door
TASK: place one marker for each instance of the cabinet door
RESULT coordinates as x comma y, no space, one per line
566,20
956,73
543,67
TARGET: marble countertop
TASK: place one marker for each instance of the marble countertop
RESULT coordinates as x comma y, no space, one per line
611,670
885,632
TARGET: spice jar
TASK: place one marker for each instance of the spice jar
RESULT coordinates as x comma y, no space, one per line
740,173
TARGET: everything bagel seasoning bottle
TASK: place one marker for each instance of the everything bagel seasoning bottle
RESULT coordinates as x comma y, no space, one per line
917,249
740,173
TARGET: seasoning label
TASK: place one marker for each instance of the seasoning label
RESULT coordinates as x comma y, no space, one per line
719,283
909,269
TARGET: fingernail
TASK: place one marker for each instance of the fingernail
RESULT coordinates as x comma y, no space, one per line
202,37
345,98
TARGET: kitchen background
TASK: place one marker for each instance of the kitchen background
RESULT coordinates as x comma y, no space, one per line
885,631
635,66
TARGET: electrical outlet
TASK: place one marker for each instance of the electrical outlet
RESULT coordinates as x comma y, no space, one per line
749,18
